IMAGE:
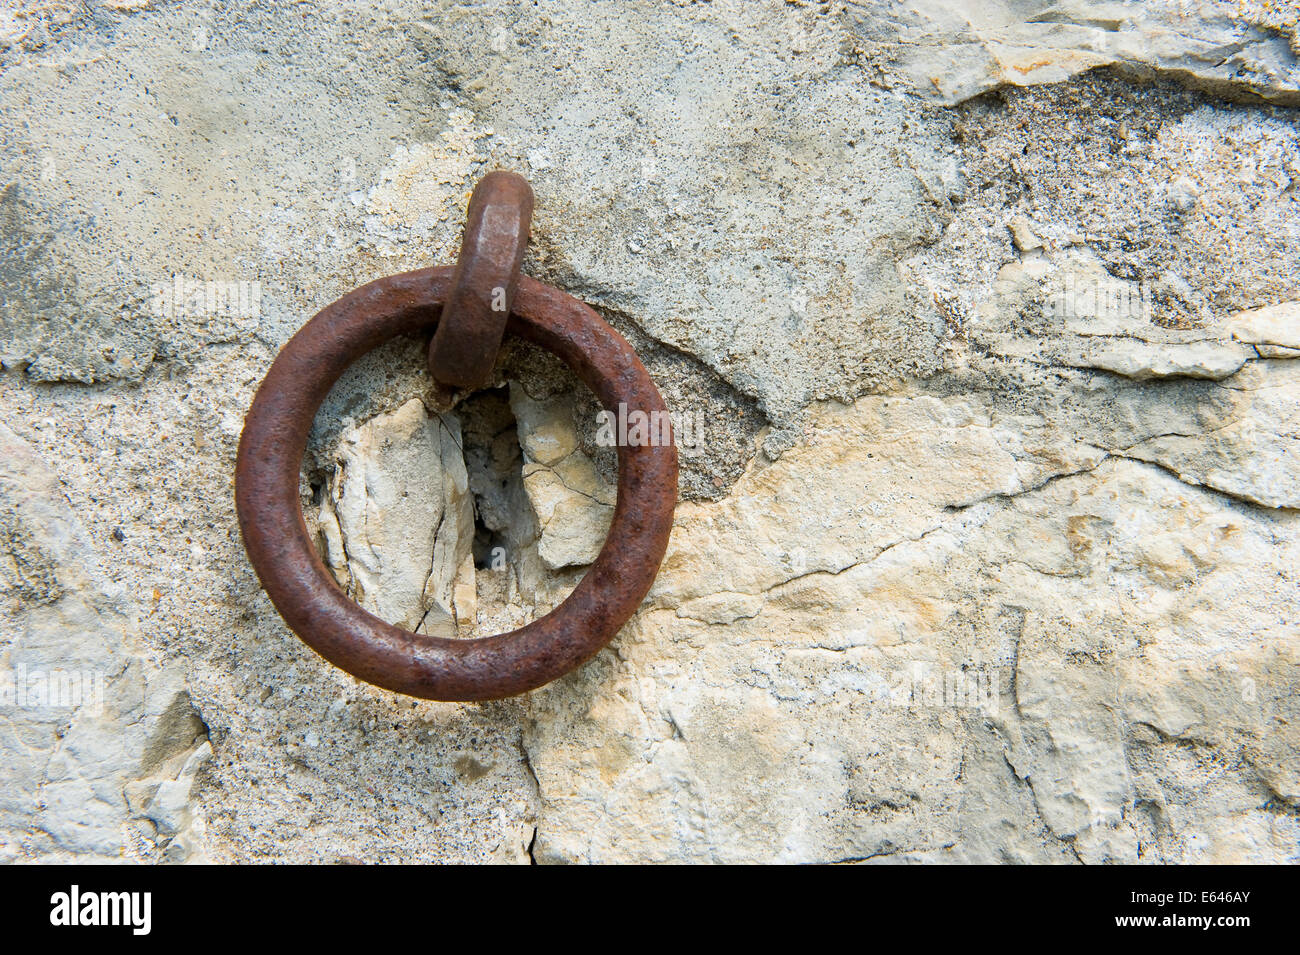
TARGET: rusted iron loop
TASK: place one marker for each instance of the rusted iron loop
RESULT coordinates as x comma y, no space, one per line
465,345
302,590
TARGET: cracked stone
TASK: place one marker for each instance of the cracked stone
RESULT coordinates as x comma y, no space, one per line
972,563
951,51
1274,325
402,552
788,740
1253,451
86,718
573,503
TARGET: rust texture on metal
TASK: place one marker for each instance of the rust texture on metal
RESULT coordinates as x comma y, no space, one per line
312,604
465,345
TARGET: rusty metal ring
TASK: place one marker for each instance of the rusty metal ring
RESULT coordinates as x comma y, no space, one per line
307,597
465,344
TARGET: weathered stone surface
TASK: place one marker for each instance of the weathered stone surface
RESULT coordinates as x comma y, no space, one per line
986,550
946,686
1078,315
573,504
99,747
710,163
403,556
955,50
1252,450
1277,326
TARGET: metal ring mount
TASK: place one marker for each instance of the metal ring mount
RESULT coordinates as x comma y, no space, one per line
465,344
306,595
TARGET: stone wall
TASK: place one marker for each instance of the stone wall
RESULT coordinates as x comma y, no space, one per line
984,318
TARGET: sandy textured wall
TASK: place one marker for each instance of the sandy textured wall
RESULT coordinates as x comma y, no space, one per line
985,317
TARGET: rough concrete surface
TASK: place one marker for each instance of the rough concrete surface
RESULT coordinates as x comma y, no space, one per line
982,319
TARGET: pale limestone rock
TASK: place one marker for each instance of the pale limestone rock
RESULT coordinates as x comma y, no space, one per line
574,506
723,608
1215,360
1069,670
961,624
109,722
464,593
1238,437
781,529
401,552
1022,234
950,51
1087,318
1252,448
546,431
420,188
164,799
1277,351
1273,325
